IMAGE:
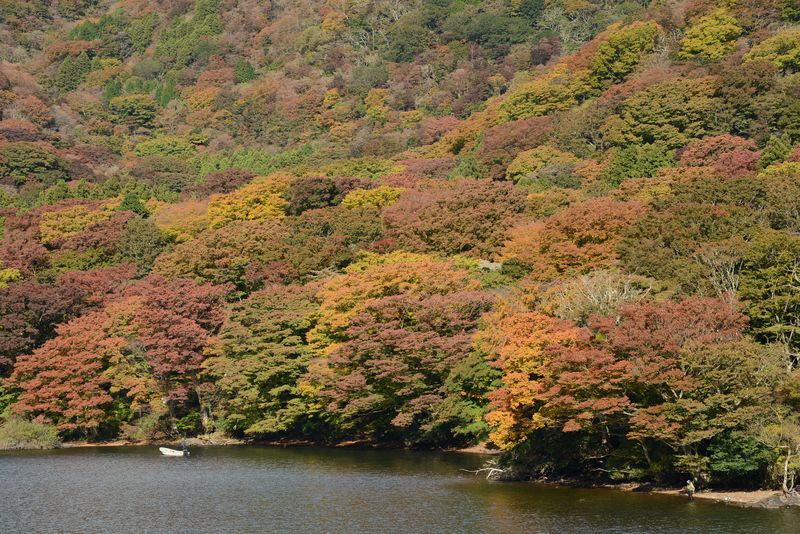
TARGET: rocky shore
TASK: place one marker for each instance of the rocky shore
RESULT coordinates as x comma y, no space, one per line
768,499
747,499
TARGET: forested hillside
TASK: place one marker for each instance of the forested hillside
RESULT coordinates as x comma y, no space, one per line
565,227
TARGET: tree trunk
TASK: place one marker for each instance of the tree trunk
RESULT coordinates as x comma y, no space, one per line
646,454
785,486
205,411
170,406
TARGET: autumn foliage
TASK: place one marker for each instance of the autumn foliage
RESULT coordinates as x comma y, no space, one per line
567,230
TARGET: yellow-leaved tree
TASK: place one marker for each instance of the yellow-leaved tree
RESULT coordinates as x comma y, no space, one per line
260,200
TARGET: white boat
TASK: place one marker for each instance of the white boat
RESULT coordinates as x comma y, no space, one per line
172,452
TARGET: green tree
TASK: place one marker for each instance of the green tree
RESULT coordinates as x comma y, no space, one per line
167,91
147,69
769,286
618,57
22,160
674,112
243,71
132,202
637,161
140,243
782,49
167,145
782,434
141,31
258,361
72,72
733,389
136,109
18,433
710,38
775,151
407,37
790,10
697,247
532,10
112,89
739,458
189,40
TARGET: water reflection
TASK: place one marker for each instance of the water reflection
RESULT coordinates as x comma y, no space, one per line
262,489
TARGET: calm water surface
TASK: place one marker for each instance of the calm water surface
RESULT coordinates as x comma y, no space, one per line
262,489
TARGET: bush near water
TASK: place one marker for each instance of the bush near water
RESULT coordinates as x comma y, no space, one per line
16,433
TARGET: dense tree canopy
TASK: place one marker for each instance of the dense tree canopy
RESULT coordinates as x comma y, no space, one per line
259,359
565,229
470,218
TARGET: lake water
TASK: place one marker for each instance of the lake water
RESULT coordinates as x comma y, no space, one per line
309,490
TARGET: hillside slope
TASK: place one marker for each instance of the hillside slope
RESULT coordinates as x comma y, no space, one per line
566,227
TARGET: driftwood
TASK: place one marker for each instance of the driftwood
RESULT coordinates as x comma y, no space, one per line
491,472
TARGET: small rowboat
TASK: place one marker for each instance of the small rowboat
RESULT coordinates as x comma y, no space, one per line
172,452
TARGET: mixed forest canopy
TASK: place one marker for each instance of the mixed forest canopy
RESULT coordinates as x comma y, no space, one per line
568,228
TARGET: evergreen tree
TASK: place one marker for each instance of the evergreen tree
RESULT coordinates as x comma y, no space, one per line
775,151
113,88
167,91
243,71
532,10
72,72
131,202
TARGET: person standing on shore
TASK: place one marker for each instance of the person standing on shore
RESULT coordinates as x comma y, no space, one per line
690,490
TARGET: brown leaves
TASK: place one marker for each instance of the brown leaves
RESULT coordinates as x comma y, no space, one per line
392,329
63,380
150,334
467,217
576,240
619,372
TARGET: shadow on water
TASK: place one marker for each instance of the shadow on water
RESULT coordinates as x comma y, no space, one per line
271,489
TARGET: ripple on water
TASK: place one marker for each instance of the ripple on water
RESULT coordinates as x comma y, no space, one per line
270,489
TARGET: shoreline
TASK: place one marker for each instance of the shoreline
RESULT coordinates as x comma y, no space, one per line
479,449
765,499
759,498
768,499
